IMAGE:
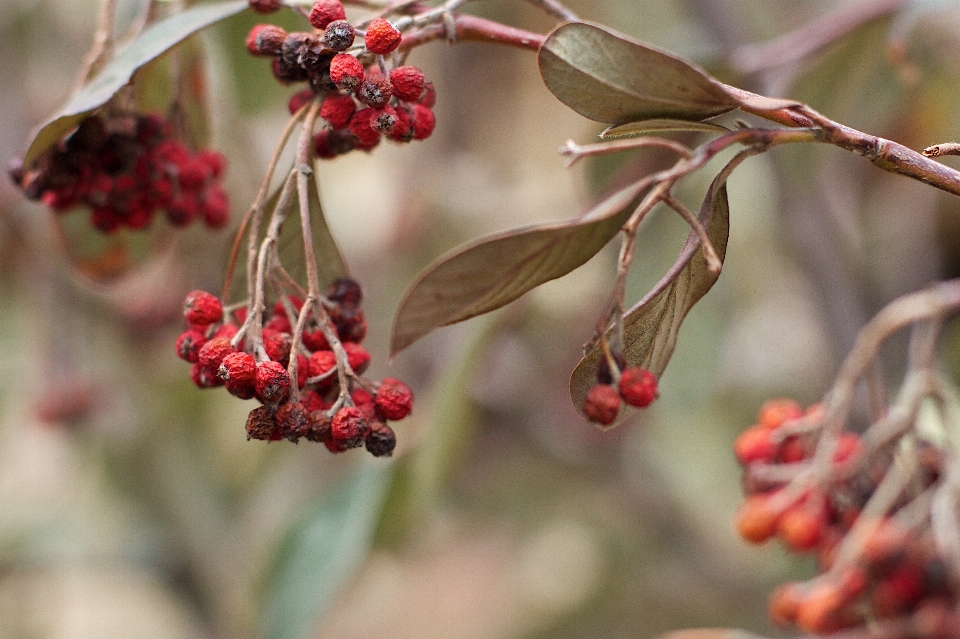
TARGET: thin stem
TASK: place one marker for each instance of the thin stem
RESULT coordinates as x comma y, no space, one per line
946,148
254,215
473,29
714,263
103,44
556,9
576,152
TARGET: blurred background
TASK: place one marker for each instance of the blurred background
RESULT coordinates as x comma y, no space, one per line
131,504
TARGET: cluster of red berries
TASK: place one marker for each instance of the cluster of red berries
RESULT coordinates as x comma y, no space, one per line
224,352
628,384
870,568
126,168
361,99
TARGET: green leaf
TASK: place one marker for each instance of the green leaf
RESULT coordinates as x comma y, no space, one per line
651,326
322,551
643,127
154,41
608,77
491,272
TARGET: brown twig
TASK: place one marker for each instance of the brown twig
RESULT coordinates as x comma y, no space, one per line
103,44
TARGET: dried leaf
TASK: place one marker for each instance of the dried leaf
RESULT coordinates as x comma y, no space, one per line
608,77
643,127
652,325
153,42
491,272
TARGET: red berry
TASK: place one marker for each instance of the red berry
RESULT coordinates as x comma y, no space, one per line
293,421
214,160
363,400
384,119
638,386
784,603
357,357
215,207
266,6
382,37
602,404
346,71
212,353
315,340
189,344
423,122
394,399
326,11
408,82
429,97
272,383
362,128
403,128
349,427
756,521
329,143
238,372
322,363
298,100
337,109
277,344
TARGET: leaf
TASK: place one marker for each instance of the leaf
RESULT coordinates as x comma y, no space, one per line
651,326
608,77
491,272
154,41
321,552
642,127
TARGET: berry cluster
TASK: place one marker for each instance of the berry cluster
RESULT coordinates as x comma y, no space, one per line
629,384
811,491
362,100
126,168
331,402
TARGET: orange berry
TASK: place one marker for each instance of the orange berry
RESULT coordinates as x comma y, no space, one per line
754,444
784,602
801,526
382,37
774,412
756,521
819,612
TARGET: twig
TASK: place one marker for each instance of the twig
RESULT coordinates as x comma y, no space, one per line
103,43
946,148
714,264
576,152
556,9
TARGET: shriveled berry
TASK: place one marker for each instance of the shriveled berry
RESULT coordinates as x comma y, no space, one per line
403,128
346,71
429,97
272,382
424,122
326,11
357,357
346,293
322,363
266,6
330,143
353,329
203,379
394,399
202,308
362,128
638,386
384,119
375,90
363,400
312,400
238,372
298,100
288,73
318,429
339,35
337,109
315,340
382,37
189,344
293,421
349,427
408,82
261,423
277,345
602,404
212,353
381,441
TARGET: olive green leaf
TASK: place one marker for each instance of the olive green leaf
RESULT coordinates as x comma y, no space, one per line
608,77
651,326
153,42
491,272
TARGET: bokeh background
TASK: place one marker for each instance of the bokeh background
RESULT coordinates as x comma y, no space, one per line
131,504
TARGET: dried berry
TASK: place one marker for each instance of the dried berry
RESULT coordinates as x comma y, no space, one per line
357,357
322,363
212,353
382,37
361,127
381,441
328,144
261,423
326,11
349,427
272,383
189,344
202,309
408,82
602,404
375,91
238,372
339,35
298,100
423,122
346,71
384,119
337,110
293,421
266,6
394,399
